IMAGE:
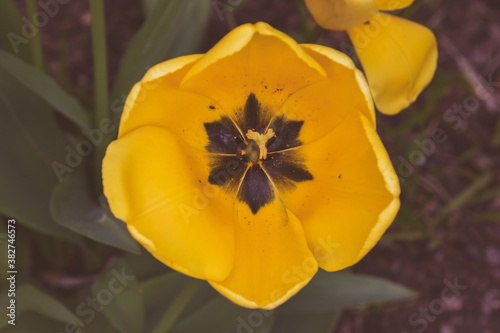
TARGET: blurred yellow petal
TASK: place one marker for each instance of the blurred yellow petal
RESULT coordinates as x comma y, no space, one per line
341,14
262,61
393,4
159,186
399,58
271,262
342,72
353,197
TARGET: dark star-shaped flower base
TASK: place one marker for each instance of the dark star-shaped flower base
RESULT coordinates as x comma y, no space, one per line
238,163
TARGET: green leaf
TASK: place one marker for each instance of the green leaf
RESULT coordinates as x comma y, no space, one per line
172,29
73,207
46,88
11,33
310,322
29,298
157,304
220,315
333,291
168,283
29,322
177,307
148,5
98,324
145,265
26,174
117,292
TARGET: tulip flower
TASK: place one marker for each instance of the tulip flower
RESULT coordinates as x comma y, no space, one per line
251,165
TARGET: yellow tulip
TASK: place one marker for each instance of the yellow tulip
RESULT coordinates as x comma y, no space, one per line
251,165
399,56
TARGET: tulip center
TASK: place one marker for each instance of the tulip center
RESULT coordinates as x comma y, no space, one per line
257,147
255,154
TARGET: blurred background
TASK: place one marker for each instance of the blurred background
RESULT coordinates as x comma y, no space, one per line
446,237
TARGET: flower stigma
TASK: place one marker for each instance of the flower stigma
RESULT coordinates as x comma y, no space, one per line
258,151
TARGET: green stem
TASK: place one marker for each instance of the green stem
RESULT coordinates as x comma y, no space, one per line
303,20
308,35
100,80
178,305
231,19
315,34
36,49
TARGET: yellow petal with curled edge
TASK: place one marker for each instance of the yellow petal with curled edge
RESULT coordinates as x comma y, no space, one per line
353,198
159,186
399,58
254,59
393,4
166,74
158,101
341,14
342,72
272,261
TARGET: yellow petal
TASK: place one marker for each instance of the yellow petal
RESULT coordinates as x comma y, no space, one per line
341,14
159,186
353,197
271,262
158,101
342,71
399,58
322,107
393,4
252,59
168,73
